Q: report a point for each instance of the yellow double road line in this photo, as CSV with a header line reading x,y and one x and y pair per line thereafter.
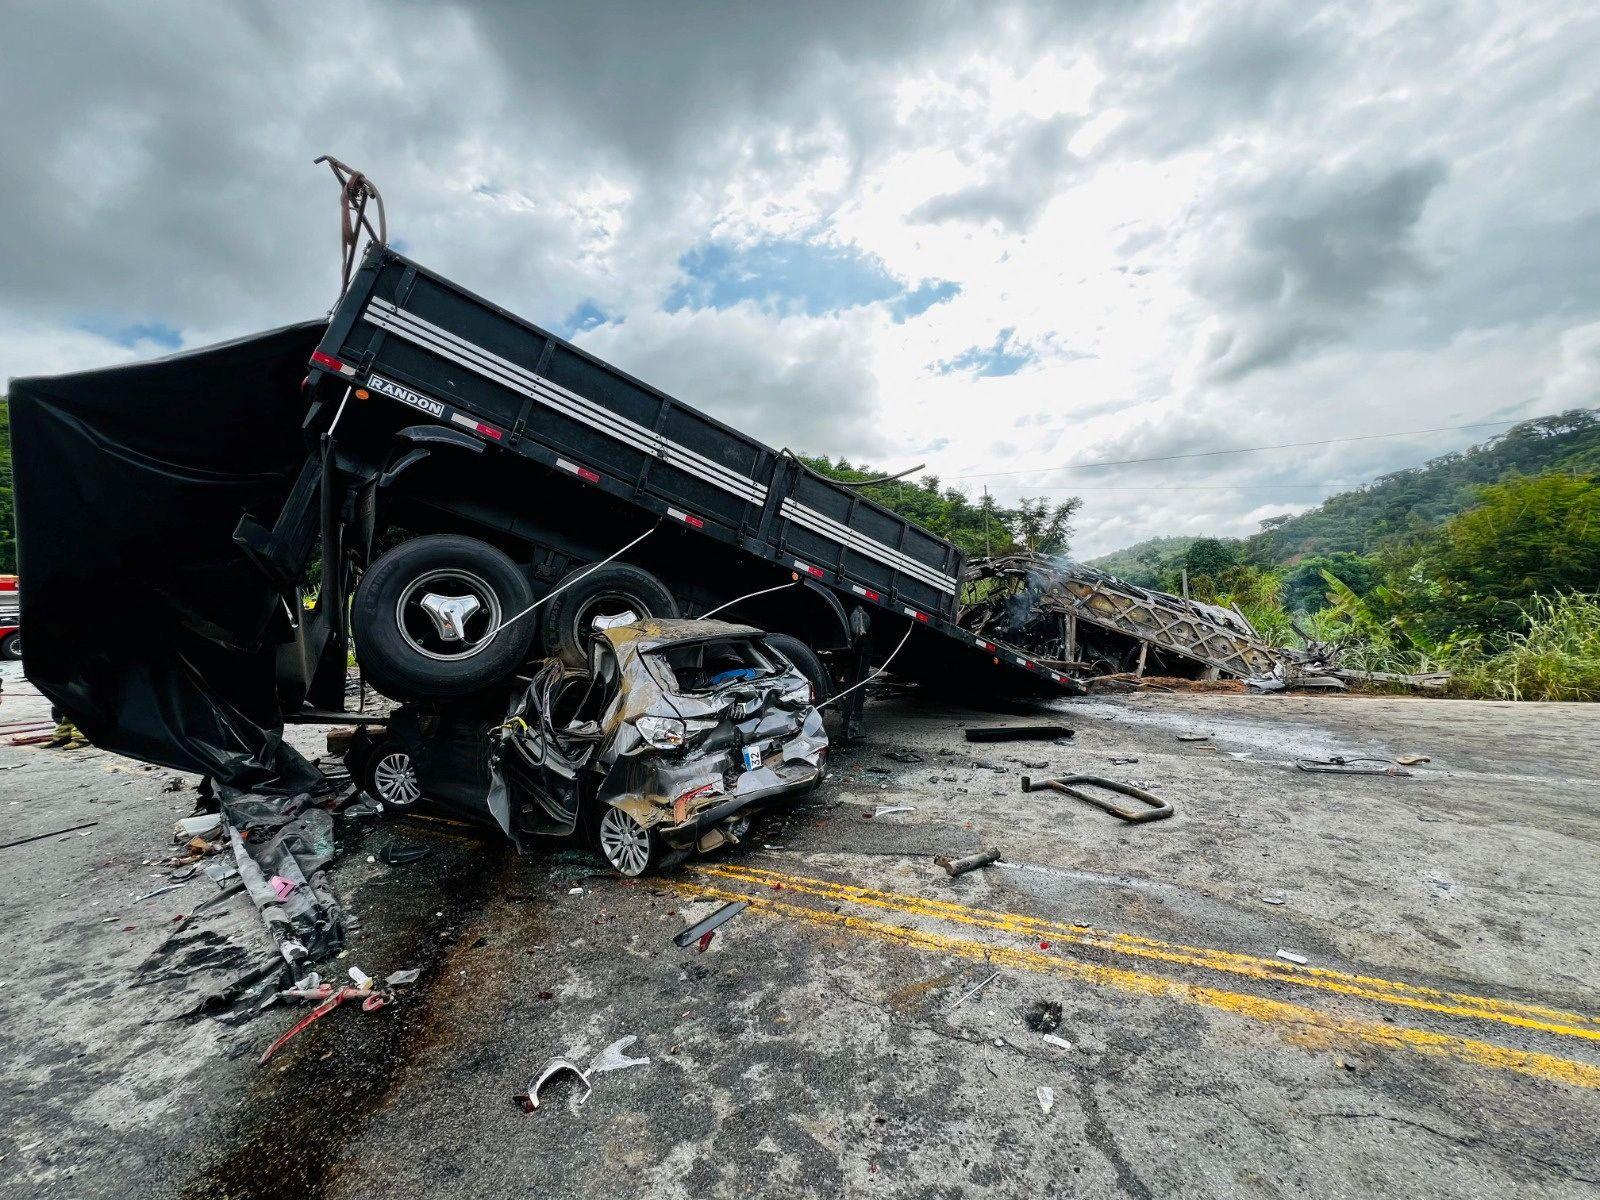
x,y
1365,987
1307,1022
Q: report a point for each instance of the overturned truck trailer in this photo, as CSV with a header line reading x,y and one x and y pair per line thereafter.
x,y
452,491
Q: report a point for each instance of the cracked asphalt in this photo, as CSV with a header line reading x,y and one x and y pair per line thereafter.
x,y
863,1026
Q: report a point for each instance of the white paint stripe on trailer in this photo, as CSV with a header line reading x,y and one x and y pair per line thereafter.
x,y
868,546
553,396
872,549
499,370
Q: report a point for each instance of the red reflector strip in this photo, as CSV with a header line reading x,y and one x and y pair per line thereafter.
x,y
466,422
911,612
983,644
687,518
809,569
1022,662
867,592
331,363
580,472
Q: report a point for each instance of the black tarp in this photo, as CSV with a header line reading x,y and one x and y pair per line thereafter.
x,y
144,622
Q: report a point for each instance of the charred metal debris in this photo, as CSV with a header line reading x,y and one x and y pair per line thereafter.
x,y
1105,631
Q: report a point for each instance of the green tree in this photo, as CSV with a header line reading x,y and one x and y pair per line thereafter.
x,y
1526,537
1305,591
1043,527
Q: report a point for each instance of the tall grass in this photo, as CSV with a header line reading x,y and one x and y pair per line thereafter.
x,y
1556,656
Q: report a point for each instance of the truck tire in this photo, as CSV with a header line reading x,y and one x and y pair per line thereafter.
x,y
412,649
11,647
806,662
614,588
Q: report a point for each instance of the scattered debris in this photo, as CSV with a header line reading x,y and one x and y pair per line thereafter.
x,y
399,856
1060,1043
1123,762
974,990
702,929
1047,1098
1194,737
1291,956
401,978
329,999
891,808
1340,765
1159,809
615,1058
171,887
39,837
903,756
1273,898
1018,733
1044,1016
1413,760
206,825
960,866
554,1067
219,871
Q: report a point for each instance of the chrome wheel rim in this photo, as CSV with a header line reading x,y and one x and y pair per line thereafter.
x,y
625,842
395,780
420,630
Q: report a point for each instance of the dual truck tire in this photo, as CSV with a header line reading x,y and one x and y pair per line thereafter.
x,y
442,616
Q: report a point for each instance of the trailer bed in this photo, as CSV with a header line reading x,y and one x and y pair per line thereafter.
x,y
404,335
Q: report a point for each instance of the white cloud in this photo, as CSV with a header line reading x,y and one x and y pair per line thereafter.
x,y
1207,224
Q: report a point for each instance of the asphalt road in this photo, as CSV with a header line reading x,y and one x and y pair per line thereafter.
x,y
868,1026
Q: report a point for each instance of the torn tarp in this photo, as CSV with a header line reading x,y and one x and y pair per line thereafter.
x,y
283,845
146,624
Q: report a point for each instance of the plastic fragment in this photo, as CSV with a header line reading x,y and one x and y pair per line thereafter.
x,y
1060,1043
401,978
1047,1098
555,1067
615,1058
1291,956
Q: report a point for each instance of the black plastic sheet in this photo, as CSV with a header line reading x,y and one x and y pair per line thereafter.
x,y
146,625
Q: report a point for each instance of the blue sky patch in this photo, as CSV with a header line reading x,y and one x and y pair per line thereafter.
x,y
130,335
923,297
585,317
797,277
1005,357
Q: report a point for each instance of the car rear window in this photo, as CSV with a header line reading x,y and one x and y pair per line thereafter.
x,y
708,666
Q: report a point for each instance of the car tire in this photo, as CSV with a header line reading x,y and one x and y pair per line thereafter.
x,y
630,848
407,653
805,661
11,646
389,775
606,591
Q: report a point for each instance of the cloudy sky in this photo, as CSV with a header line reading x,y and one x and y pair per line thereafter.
x,y
995,238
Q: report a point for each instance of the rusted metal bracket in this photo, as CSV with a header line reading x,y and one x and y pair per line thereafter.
x,y
1159,809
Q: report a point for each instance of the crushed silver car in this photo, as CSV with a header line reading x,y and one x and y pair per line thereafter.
x,y
662,746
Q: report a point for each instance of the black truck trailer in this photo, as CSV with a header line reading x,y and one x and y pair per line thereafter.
x,y
423,432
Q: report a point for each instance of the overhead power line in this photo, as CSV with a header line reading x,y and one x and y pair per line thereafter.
x,y
1124,462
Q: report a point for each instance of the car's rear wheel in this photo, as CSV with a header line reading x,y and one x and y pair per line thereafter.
x,y
430,616
628,846
608,591
806,662
390,775
11,646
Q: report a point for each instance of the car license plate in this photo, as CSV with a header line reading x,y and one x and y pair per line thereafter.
x,y
752,757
